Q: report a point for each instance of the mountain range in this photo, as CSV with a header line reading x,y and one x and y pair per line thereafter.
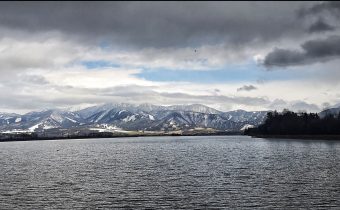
x,y
130,117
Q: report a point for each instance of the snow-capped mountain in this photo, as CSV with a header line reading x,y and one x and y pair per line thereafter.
x,y
33,121
173,120
241,116
146,117
9,118
194,108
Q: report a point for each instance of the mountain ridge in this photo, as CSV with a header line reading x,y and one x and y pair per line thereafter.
x,y
330,111
124,116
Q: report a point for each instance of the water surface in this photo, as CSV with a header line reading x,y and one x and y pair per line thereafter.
x,y
170,172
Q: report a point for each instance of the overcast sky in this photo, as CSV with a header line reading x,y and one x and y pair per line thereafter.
x,y
227,55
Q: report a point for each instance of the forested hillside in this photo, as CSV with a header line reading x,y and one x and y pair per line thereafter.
x,y
291,123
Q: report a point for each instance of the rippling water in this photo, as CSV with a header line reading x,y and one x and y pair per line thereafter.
x,y
170,172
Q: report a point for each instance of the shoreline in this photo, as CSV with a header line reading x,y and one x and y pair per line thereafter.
x,y
118,136
300,137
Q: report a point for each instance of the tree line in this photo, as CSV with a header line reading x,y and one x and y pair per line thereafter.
x,y
302,123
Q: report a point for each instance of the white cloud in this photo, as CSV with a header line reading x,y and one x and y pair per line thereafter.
x,y
81,77
47,73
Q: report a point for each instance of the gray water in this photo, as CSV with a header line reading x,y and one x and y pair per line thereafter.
x,y
235,172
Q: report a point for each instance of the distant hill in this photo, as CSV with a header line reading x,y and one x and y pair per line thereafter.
x,y
123,116
291,123
331,111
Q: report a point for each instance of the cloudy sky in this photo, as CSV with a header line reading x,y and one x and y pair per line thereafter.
x,y
227,55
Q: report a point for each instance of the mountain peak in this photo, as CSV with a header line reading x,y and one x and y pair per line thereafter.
x,y
133,117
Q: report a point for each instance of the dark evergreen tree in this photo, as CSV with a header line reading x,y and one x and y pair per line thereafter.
x,y
291,123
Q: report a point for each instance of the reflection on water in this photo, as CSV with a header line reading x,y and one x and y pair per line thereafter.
x,y
170,172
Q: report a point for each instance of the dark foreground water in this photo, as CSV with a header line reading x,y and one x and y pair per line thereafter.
x,y
170,172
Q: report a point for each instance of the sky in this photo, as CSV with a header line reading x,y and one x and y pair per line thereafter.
x,y
226,55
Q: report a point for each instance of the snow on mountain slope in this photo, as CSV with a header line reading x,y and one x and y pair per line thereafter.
x,y
253,118
134,117
195,108
8,118
44,120
246,126
174,120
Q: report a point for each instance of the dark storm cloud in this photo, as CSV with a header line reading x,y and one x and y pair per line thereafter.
x,y
319,50
283,57
331,7
246,88
320,26
155,24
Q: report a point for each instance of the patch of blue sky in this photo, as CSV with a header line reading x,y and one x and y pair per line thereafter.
x,y
240,73
104,45
98,64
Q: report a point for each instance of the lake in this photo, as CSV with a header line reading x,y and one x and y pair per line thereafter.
x,y
236,172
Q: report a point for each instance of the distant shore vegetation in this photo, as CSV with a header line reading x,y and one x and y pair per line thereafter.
x,y
301,123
